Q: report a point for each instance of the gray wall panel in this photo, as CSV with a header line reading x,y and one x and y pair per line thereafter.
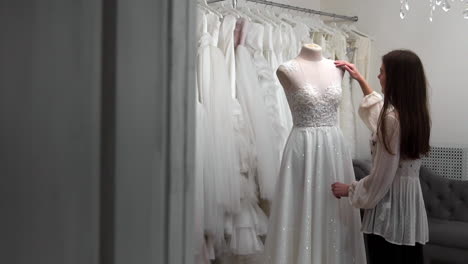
x,y
49,136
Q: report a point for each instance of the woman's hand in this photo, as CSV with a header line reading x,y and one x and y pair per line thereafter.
x,y
351,68
340,189
354,73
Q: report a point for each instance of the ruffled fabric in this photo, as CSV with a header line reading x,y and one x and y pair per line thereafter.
x,y
249,224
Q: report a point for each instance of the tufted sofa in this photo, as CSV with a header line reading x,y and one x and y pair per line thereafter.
x,y
447,210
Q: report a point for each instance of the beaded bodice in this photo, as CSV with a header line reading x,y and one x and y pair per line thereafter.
x,y
312,106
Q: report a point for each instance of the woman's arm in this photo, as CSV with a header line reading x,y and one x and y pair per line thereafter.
x,y
367,192
354,73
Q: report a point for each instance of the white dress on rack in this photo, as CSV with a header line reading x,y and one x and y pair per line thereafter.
x,y
292,48
251,96
198,229
278,44
337,44
268,48
226,44
250,222
243,132
302,32
240,225
278,41
361,59
202,251
268,94
307,223
221,181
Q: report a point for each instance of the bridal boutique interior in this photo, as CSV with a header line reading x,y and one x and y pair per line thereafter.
x,y
153,131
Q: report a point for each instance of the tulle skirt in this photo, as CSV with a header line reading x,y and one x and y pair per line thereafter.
x,y
307,223
217,165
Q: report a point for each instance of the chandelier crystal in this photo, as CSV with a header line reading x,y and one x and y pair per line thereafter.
x,y
443,4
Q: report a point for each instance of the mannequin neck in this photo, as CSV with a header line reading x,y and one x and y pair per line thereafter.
x,y
311,52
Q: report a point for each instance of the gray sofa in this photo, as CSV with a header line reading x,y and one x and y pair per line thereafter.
x,y
447,210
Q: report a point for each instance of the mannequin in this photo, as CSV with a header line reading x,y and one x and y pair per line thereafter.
x,y
313,69
307,224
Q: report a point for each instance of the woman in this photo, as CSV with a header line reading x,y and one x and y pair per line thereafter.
x,y
395,219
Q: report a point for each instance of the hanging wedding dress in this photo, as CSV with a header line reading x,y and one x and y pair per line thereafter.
x,y
202,252
243,132
361,59
221,182
268,51
302,32
307,223
251,98
279,40
244,226
222,125
250,222
337,44
268,95
226,44
292,49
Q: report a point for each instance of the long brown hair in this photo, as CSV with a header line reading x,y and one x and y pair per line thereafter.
x,y
406,91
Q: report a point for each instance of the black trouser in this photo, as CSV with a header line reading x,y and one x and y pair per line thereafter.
x,y
383,252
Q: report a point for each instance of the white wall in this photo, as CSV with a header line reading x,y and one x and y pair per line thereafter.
x,y
442,46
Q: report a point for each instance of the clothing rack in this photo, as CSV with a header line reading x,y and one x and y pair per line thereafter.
x,y
300,9
234,2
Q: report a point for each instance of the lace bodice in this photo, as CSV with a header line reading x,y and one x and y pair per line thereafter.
x,y
312,106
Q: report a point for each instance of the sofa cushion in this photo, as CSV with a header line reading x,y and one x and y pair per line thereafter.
x,y
448,233
444,198
361,168
435,254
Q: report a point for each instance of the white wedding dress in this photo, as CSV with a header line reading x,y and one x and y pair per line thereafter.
x,y
268,94
307,223
217,165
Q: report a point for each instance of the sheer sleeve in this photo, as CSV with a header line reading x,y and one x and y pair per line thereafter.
x,y
367,192
369,110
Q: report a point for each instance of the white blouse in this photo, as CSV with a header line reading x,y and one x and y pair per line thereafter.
x,y
391,194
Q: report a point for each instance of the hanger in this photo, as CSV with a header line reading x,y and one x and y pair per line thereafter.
x,y
311,22
255,10
230,11
255,17
286,17
204,5
329,30
260,15
272,15
354,29
346,29
342,32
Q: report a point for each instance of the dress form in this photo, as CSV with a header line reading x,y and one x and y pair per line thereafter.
x,y
307,224
309,67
